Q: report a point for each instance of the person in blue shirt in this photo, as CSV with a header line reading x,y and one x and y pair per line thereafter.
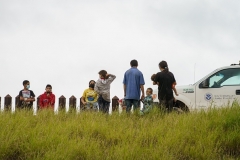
x,y
133,84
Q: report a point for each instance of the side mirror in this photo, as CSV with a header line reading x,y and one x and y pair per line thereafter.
x,y
205,83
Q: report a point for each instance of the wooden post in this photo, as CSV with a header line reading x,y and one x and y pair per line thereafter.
x,y
115,103
62,102
0,103
17,101
7,102
72,102
38,99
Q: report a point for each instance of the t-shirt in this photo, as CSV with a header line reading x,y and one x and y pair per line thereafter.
x,y
26,94
148,101
102,87
165,80
133,78
90,95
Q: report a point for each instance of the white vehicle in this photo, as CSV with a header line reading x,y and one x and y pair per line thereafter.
x,y
218,89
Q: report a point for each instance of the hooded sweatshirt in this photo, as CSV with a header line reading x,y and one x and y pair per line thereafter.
x,y
102,87
47,101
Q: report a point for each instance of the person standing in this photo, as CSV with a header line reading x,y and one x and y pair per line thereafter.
x,y
27,97
47,99
102,87
165,81
133,83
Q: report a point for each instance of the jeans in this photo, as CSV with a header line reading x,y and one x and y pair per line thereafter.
x,y
103,105
130,102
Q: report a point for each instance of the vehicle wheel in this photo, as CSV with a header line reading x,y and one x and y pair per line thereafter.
x,y
181,107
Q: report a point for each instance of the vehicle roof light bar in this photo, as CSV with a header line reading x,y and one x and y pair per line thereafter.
x,y
235,64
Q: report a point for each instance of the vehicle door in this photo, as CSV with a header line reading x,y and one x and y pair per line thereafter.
x,y
220,89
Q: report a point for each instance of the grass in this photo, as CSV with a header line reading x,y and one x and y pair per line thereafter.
x,y
201,135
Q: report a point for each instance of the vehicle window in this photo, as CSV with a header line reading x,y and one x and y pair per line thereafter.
x,y
232,81
214,79
225,77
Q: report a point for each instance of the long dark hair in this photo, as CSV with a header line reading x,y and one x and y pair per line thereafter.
x,y
164,65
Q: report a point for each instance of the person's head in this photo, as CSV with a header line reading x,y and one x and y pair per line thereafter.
x,y
48,88
26,84
103,74
149,91
91,84
134,63
163,66
153,77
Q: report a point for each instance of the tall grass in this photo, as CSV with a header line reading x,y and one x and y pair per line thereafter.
x,y
201,135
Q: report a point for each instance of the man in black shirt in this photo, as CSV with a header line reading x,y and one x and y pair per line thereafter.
x,y
27,97
165,81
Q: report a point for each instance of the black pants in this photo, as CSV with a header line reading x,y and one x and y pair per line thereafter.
x,y
103,105
166,104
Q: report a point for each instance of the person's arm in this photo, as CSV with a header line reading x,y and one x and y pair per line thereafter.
x,y
151,99
124,85
40,103
142,82
53,100
83,98
20,96
111,77
174,89
27,99
124,90
142,89
32,98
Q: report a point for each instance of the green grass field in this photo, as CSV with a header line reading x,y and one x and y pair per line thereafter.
x,y
202,135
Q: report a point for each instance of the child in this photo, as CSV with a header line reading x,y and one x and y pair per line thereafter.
x,y
47,99
89,97
27,97
102,87
173,85
147,102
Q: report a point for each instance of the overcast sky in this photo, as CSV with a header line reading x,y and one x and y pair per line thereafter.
x,y
66,43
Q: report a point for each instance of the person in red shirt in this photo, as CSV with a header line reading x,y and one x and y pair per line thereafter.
x,y
47,99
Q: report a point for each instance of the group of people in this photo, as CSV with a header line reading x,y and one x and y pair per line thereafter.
x,y
97,96
27,97
133,84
